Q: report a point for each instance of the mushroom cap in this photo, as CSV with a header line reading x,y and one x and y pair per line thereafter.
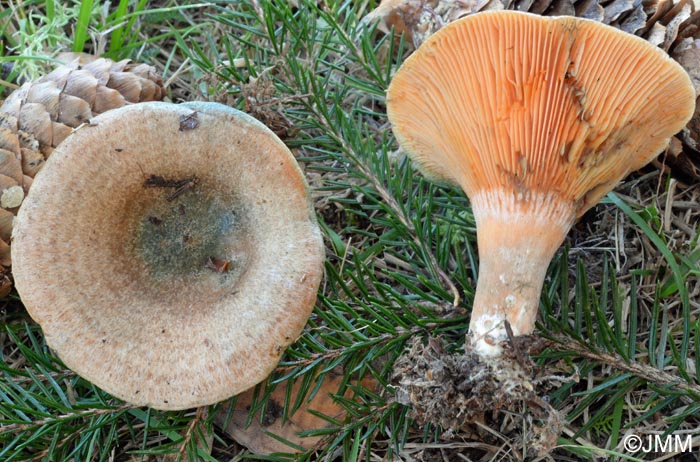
x,y
533,105
170,253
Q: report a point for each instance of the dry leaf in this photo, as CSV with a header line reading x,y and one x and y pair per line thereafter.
x,y
257,437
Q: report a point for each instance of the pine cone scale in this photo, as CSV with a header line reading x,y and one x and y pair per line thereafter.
x,y
635,21
8,139
129,88
614,10
107,98
45,94
81,85
590,9
35,120
32,161
6,219
563,8
10,163
73,112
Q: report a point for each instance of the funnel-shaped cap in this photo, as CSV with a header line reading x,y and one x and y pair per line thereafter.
x,y
169,252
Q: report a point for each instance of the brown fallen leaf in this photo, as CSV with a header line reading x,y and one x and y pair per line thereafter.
x,y
257,437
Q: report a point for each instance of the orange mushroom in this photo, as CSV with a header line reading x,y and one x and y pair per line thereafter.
x,y
536,119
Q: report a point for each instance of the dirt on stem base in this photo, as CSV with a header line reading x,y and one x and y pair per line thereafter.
x,y
463,391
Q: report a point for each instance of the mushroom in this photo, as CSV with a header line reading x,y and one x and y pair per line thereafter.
x,y
536,119
169,252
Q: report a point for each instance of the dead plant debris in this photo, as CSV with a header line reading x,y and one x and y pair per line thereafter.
x,y
189,122
460,390
179,186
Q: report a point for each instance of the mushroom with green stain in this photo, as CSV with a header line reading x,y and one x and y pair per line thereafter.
x,y
169,252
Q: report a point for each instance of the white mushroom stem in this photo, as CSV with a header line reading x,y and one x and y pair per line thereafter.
x,y
517,235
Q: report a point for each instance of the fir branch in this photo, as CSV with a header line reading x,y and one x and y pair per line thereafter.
x,y
83,413
391,201
201,415
64,374
649,373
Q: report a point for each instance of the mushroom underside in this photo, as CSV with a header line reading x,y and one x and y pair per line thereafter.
x,y
536,119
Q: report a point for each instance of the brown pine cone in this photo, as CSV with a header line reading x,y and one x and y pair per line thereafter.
x,y
659,21
35,118
687,52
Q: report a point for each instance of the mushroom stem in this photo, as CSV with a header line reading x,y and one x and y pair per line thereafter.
x,y
517,235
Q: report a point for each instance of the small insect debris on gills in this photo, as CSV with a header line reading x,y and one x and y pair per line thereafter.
x,y
180,186
189,122
217,264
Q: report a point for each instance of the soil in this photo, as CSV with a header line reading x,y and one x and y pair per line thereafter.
x,y
464,392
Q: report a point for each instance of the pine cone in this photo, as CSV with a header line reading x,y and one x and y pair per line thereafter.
x,y
659,21
673,25
39,115
687,52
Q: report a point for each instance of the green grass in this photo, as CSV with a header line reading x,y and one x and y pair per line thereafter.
x,y
626,343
